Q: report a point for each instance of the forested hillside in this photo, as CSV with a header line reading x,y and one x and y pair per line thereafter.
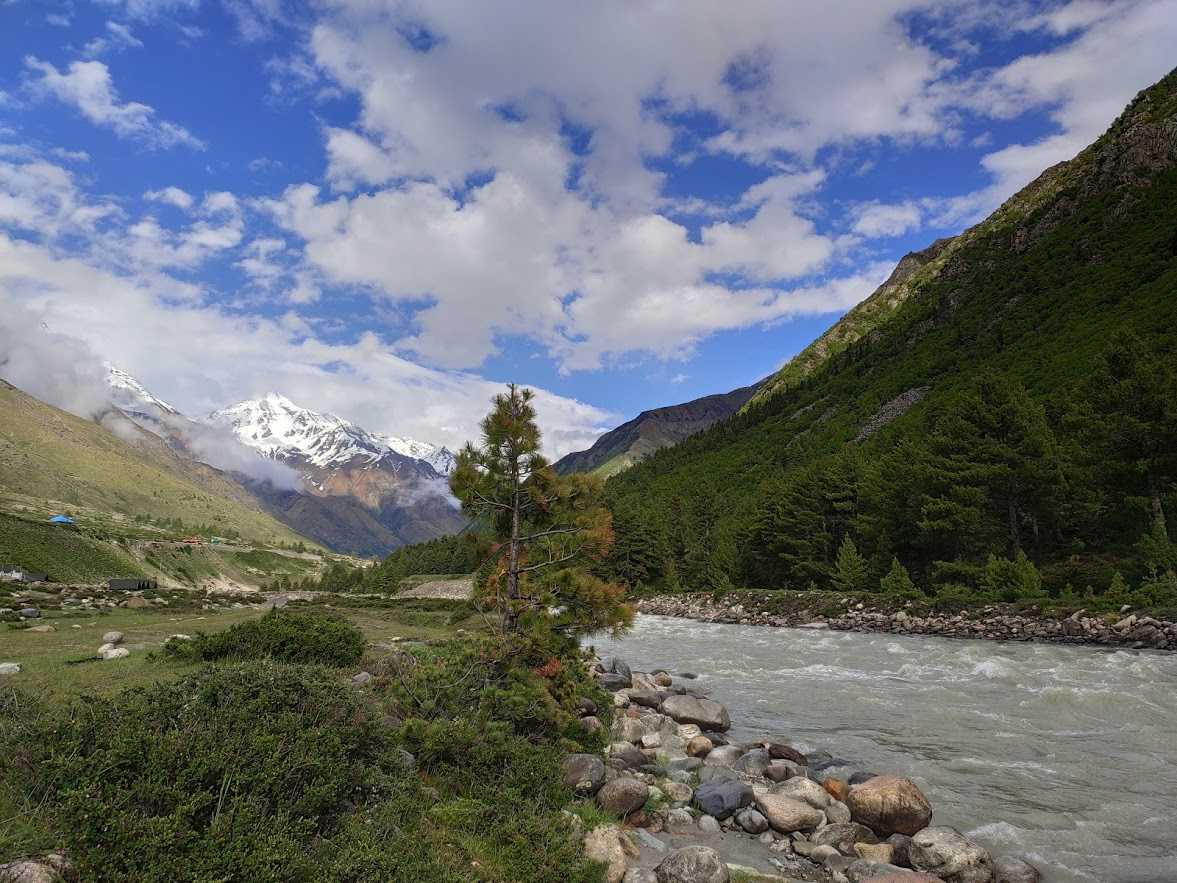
x,y
1021,400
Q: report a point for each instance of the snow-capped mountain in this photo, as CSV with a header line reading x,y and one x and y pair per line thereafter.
x,y
129,395
283,430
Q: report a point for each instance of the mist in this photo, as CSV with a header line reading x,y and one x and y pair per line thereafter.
x,y
65,372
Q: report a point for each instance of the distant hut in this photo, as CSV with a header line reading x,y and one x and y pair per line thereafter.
x,y
61,519
130,584
34,576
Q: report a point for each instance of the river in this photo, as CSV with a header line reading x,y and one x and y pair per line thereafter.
x,y
1066,755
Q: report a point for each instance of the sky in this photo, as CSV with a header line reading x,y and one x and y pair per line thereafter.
x,y
387,210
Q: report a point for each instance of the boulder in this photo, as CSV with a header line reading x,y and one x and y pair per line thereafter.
x,y
880,853
1009,869
787,815
695,710
753,763
722,798
613,682
713,773
362,678
645,698
115,653
584,773
780,770
9,668
724,755
617,666
591,724
805,790
684,764
752,821
835,787
889,805
901,844
661,678
42,629
603,845
112,638
709,825
652,740
699,746
586,706
678,792
623,796
780,751
843,835
679,821
626,756
838,812
639,875
136,603
627,729
29,612
948,854
28,872
692,864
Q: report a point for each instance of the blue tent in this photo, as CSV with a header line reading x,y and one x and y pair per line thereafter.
x,y
61,519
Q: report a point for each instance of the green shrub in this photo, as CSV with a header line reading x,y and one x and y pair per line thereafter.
x,y
284,636
898,582
1007,580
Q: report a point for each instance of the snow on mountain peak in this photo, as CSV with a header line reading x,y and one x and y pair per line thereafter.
x,y
129,394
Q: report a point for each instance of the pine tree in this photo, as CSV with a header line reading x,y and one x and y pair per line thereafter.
x,y
849,568
897,581
548,529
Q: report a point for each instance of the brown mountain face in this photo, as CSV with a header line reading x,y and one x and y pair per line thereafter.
x,y
651,430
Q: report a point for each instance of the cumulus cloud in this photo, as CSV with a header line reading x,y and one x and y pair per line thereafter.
x,y
877,220
87,86
116,38
173,196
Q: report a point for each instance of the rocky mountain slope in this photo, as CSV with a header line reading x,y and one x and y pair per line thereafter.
x,y
652,430
1041,291
119,468
360,493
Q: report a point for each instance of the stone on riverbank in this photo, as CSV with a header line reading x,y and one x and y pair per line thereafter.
x,y
948,854
787,815
584,773
752,821
843,835
623,796
1009,869
706,713
699,746
603,845
804,790
753,763
889,805
692,864
723,798
779,751
626,756
10,668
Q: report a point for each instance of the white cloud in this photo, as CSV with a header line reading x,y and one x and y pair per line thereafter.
x,y
877,220
87,86
174,196
200,358
117,38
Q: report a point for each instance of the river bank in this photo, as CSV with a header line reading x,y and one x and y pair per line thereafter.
x,y
702,806
875,613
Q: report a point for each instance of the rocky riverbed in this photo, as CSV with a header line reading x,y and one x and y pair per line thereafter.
x,y
993,622
698,807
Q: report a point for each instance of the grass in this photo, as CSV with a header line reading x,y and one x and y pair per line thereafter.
x,y
263,770
65,553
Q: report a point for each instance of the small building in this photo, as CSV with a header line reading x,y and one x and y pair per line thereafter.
x,y
61,519
34,576
130,584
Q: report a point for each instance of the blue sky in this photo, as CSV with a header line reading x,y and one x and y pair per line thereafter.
x,y
386,209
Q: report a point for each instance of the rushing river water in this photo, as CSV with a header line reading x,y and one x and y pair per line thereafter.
x,y
1066,755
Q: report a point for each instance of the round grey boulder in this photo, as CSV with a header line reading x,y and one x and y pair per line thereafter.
x,y
709,824
754,762
723,798
692,864
751,821
112,638
724,755
626,756
949,855
1010,869
30,612
584,773
623,796
843,835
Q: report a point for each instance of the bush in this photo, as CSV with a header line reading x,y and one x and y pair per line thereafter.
x,y
1007,580
898,582
283,636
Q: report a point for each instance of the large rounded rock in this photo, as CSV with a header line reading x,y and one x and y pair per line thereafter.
x,y
805,790
695,710
645,698
9,668
752,821
949,855
28,872
843,835
603,845
1009,869
787,815
753,763
112,638
779,770
613,682
627,729
584,773
699,746
692,864
889,805
723,798
724,755
617,666
623,796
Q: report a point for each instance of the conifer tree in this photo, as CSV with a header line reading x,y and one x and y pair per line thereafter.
x,y
548,528
849,568
897,581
